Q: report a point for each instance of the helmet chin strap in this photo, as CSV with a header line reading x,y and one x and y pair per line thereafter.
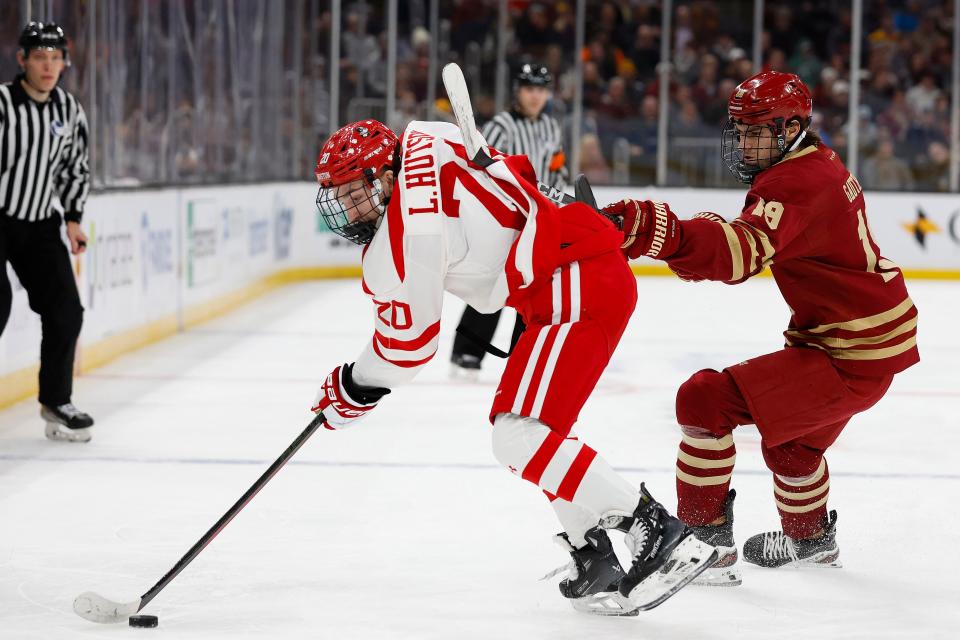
x,y
797,141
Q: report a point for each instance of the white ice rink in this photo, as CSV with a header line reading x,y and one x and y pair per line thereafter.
x,y
405,527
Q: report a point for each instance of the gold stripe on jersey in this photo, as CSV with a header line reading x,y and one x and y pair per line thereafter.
x,y
862,354
765,244
754,254
704,463
876,354
860,324
844,343
736,252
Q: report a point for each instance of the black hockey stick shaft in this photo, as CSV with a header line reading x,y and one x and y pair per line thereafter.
x,y
231,513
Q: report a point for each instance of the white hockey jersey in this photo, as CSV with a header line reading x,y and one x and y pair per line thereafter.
x,y
450,226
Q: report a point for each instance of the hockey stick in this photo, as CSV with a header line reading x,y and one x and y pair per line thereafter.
x,y
479,153
96,608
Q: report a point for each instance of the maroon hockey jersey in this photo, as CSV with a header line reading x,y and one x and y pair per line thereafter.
x,y
806,219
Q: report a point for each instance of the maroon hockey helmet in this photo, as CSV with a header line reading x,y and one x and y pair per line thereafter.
x,y
770,99
348,167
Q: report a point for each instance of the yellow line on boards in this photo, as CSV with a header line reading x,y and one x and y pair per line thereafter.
x,y
909,274
21,384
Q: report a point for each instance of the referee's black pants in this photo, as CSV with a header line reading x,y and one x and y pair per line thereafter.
x,y
480,328
42,264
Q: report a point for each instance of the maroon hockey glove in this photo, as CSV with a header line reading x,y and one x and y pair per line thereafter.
x,y
342,401
689,276
649,228
686,276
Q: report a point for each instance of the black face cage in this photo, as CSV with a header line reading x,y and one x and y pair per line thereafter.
x,y
337,212
731,149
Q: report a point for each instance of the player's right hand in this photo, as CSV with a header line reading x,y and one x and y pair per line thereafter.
x,y
649,228
342,401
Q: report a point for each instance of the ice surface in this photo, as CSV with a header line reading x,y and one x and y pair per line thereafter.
x,y
404,526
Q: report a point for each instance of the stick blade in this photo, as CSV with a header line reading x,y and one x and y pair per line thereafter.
x,y
584,193
459,96
95,608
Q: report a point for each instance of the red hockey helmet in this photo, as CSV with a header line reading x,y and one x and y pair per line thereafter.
x,y
355,153
770,99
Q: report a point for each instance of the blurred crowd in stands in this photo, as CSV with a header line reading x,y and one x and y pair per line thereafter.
x,y
904,106
242,106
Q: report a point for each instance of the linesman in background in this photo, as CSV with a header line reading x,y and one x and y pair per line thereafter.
x,y
43,153
522,130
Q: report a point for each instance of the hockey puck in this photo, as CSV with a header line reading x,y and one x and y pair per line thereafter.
x,y
144,622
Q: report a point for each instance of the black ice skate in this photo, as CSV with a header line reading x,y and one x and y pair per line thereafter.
x,y
776,549
67,423
666,554
724,572
593,576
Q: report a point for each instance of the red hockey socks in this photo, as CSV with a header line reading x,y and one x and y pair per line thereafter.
x,y
802,502
704,468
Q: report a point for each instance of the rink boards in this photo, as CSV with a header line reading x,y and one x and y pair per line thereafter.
x,y
162,260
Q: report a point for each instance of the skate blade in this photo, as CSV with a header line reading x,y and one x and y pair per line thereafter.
x,y
605,604
719,577
724,573
57,432
826,560
689,559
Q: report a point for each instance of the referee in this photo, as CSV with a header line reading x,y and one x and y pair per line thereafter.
x,y
523,130
43,152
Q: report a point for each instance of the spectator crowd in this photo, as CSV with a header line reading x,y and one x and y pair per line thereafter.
x,y
234,102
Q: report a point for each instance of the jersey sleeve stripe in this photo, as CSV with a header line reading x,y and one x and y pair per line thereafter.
x,y
736,253
419,342
406,364
766,251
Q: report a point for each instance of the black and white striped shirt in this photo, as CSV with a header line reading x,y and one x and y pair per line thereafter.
x,y
540,139
43,150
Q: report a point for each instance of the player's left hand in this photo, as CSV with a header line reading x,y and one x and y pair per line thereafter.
x,y
649,228
77,238
342,401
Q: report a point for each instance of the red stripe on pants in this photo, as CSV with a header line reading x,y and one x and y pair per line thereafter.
x,y
537,379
